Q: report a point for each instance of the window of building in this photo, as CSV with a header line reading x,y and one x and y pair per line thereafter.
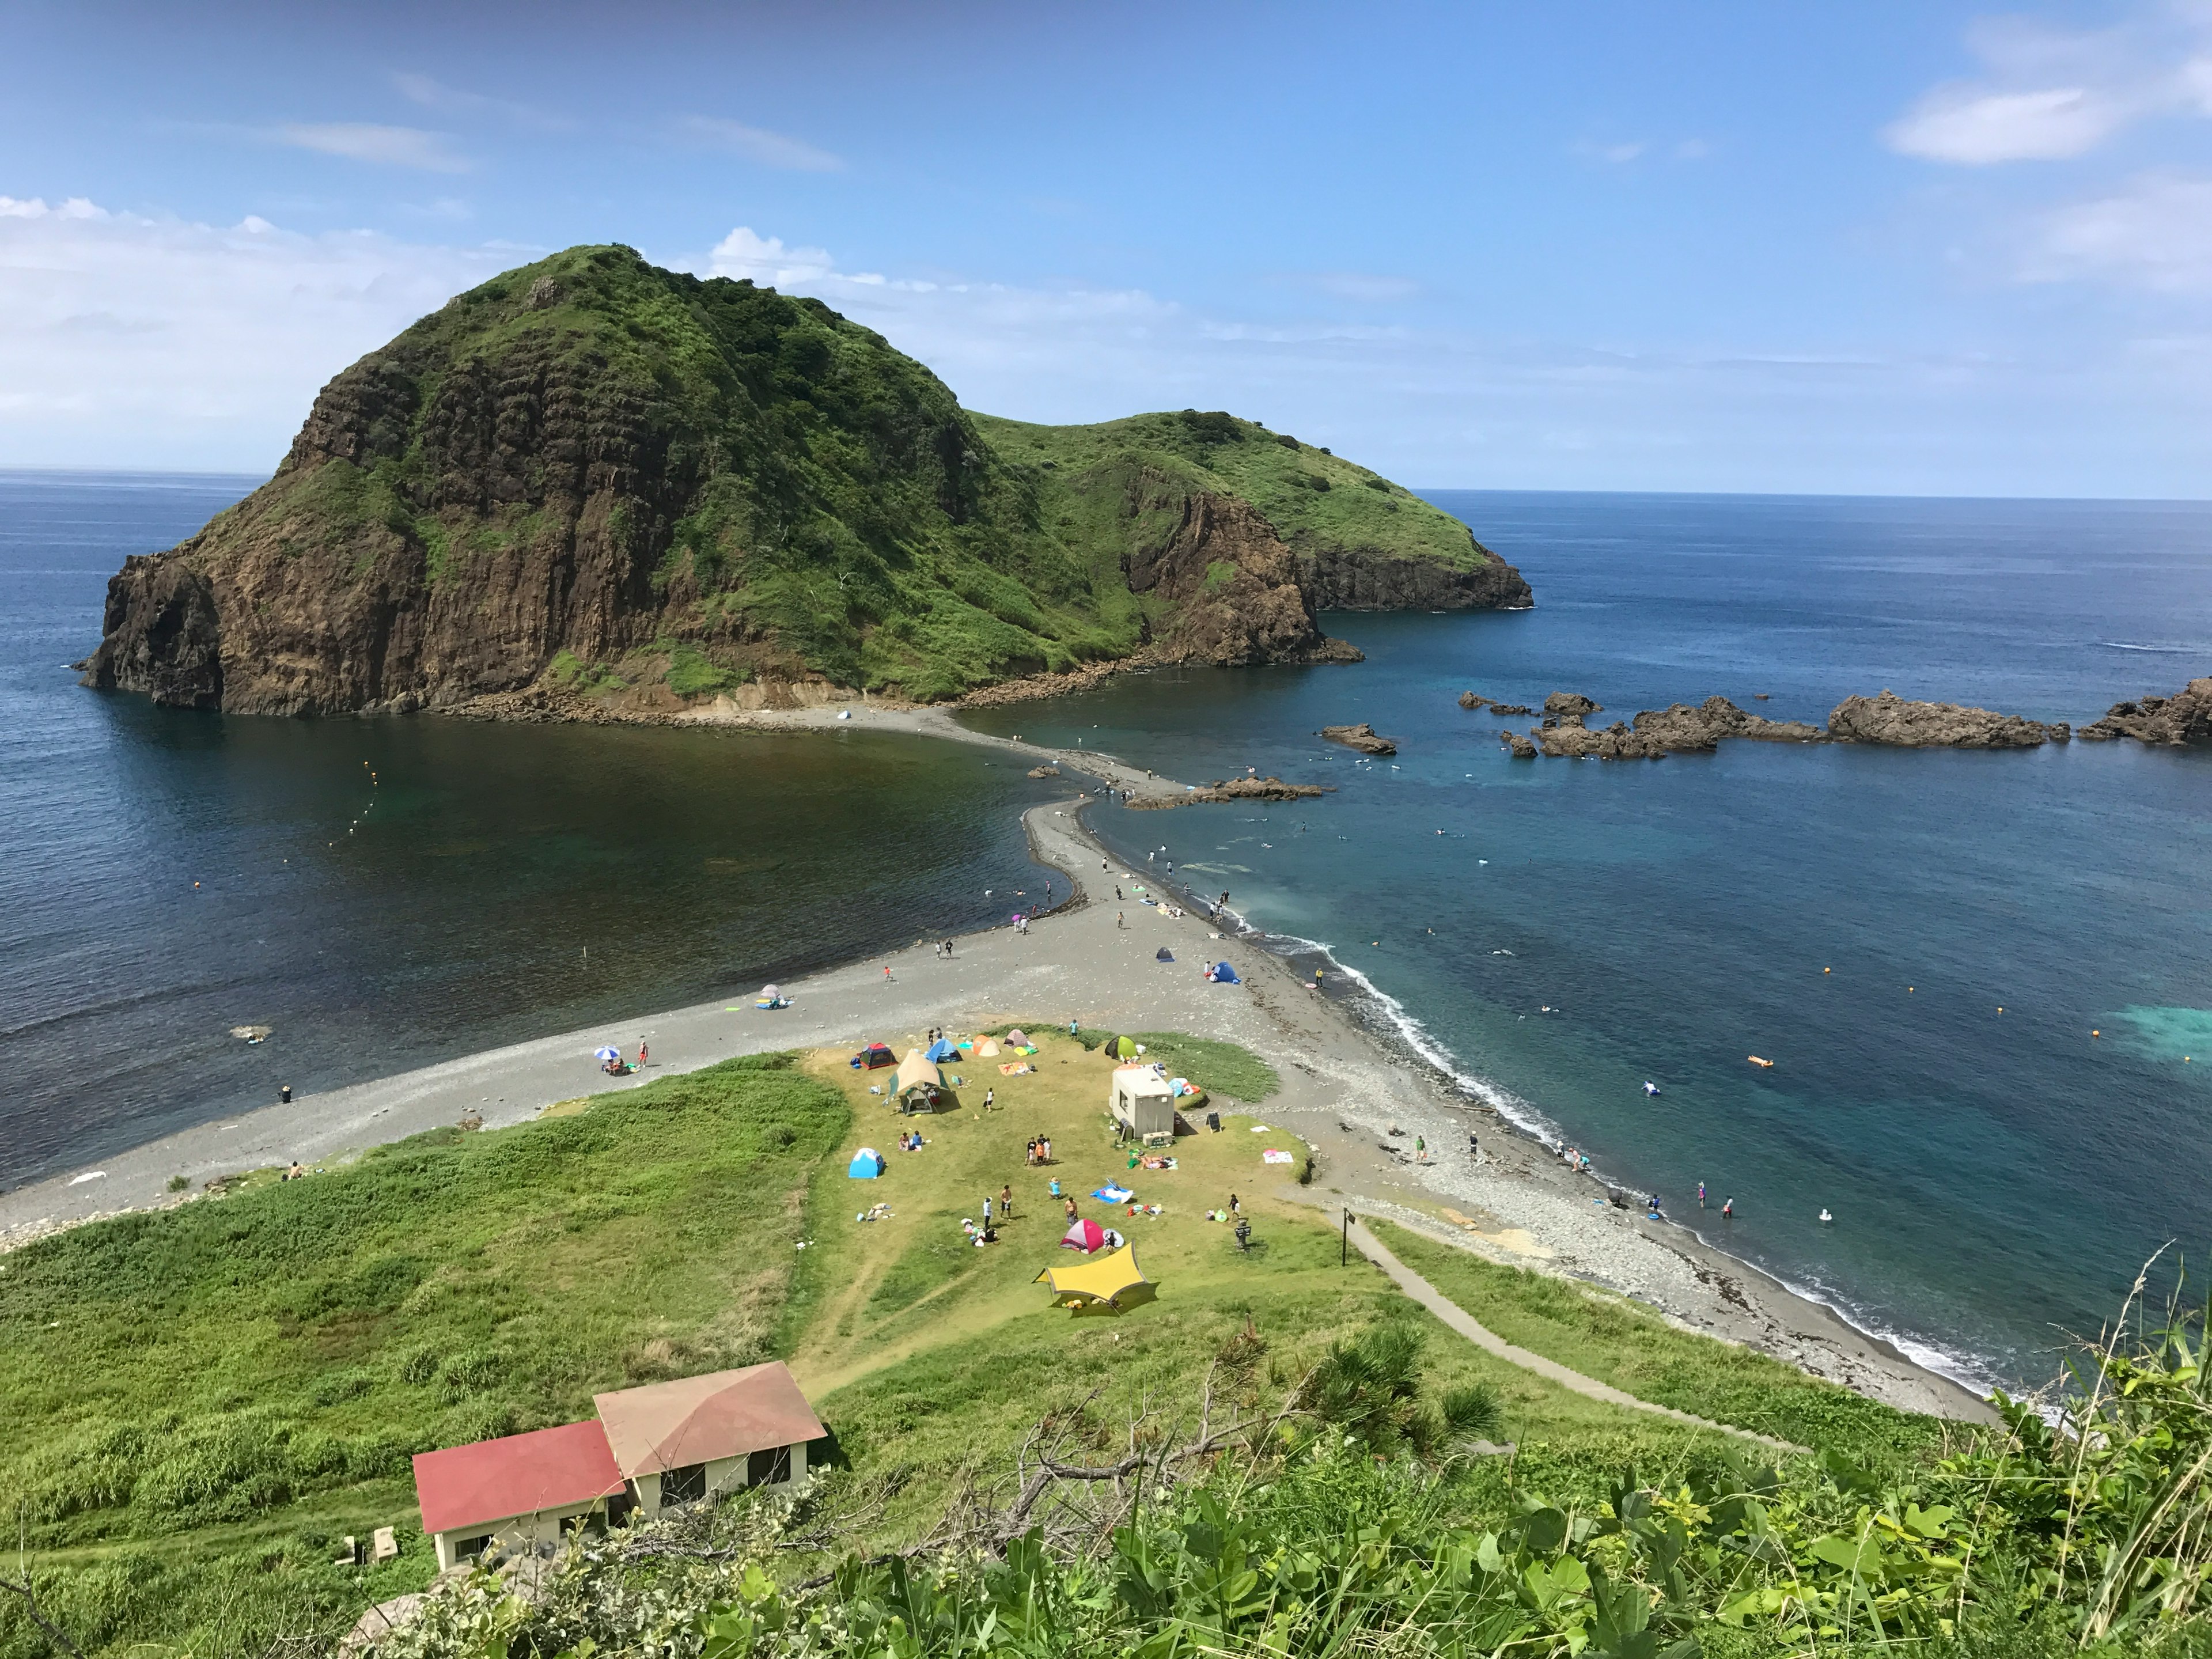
x,y
468,1549
770,1467
685,1485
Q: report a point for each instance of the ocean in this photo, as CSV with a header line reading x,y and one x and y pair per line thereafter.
x,y
385,894
1924,942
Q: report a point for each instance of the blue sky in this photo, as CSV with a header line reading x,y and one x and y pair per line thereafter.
x,y
1888,247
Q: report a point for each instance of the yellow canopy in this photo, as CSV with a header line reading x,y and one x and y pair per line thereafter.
x,y
1103,1279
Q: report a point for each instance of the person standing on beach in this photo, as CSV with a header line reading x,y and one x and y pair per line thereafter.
x,y
1119,921
887,973
1728,1210
640,1054
990,1098
1420,1149
1006,1202
1068,1203
1701,1194
1472,1150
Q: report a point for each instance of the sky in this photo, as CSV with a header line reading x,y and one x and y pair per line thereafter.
x,y
1900,246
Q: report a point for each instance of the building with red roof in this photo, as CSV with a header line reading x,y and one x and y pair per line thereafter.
x,y
677,1442
523,1489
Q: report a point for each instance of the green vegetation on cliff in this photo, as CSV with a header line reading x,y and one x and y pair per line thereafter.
x,y
691,485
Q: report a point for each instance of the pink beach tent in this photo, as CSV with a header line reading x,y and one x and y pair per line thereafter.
x,y
1083,1233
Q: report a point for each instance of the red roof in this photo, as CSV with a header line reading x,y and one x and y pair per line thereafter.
x,y
521,1474
700,1419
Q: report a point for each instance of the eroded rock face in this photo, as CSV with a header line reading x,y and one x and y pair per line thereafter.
x,y
167,637
1571,740
1682,729
1472,700
1568,708
2183,718
1363,578
1521,748
1231,581
1891,720
1361,736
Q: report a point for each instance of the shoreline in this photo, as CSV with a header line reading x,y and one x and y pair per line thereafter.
x,y
1355,1095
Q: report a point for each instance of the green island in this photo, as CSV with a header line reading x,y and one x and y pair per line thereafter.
x,y
595,489
1275,1452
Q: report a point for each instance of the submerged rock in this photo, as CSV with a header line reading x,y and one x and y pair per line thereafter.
x,y
1361,736
1890,720
2183,718
1511,709
1232,789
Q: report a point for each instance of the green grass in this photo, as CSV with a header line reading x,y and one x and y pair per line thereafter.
x,y
1612,1338
253,1372
1217,1067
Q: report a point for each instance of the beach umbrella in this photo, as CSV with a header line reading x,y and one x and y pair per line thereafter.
x,y
606,1054
770,991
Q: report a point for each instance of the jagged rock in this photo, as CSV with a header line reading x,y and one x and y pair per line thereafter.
x,y
1682,729
1573,740
1511,709
1045,771
1472,700
1232,789
1361,736
1361,578
1521,747
1568,709
2183,718
1890,720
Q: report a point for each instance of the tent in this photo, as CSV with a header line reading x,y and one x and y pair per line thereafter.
x,y
1107,1280
1083,1233
867,1163
942,1049
918,1084
1222,973
1014,1039
1120,1048
1163,955
987,1048
875,1054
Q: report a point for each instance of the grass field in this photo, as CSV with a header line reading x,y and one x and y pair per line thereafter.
x,y
208,1396
203,1398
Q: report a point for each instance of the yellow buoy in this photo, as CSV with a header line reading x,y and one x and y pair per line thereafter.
x,y
2096,1034
1827,970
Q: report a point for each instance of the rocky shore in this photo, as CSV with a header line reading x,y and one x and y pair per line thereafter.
x,y
1232,789
2182,719
1888,719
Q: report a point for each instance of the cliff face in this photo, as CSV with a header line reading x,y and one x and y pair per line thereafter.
x,y
599,479
2183,719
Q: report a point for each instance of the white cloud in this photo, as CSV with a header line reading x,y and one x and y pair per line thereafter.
x,y
771,150
765,259
2155,233
131,341
362,141
1974,127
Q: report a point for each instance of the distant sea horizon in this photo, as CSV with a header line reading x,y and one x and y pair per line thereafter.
x,y
1997,1179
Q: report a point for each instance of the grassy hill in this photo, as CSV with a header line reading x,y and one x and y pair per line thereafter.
x,y
607,485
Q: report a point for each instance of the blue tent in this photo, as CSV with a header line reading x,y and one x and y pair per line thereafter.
x,y
1163,955
867,1163
1222,973
941,1049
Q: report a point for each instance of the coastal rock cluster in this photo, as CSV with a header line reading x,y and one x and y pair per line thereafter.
x,y
627,492
1891,720
1231,789
1681,728
2183,718
1361,736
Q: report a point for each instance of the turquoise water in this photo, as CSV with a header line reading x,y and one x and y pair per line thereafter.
x,y
1859,916
171,875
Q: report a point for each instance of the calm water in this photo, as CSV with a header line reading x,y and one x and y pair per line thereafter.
x,y
389,893
1859,916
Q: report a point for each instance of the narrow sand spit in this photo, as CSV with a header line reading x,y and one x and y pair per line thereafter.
x,y
1093,959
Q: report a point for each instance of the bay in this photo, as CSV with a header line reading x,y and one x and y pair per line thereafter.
x,y
1923,942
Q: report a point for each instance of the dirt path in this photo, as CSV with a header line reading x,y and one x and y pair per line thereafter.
x,y
1551,1371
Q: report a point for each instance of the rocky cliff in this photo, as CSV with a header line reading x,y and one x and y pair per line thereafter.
x,y
591,483
2183,718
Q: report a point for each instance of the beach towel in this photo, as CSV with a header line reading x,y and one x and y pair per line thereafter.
x,y
1273,1156
1113,1192
1015,1069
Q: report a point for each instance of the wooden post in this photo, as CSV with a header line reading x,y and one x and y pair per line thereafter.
x,y
1344,1244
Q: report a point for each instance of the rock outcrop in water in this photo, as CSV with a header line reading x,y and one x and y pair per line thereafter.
x,y
1682,729
2184,717
596,489
1891,720
1361,736
1232,789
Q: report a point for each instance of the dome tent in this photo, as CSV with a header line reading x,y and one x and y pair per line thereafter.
x,y
1083,1233
867,1163
1121,1047
941,1049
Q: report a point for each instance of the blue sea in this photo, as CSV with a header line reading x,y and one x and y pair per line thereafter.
x,y
1924,942
386,893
